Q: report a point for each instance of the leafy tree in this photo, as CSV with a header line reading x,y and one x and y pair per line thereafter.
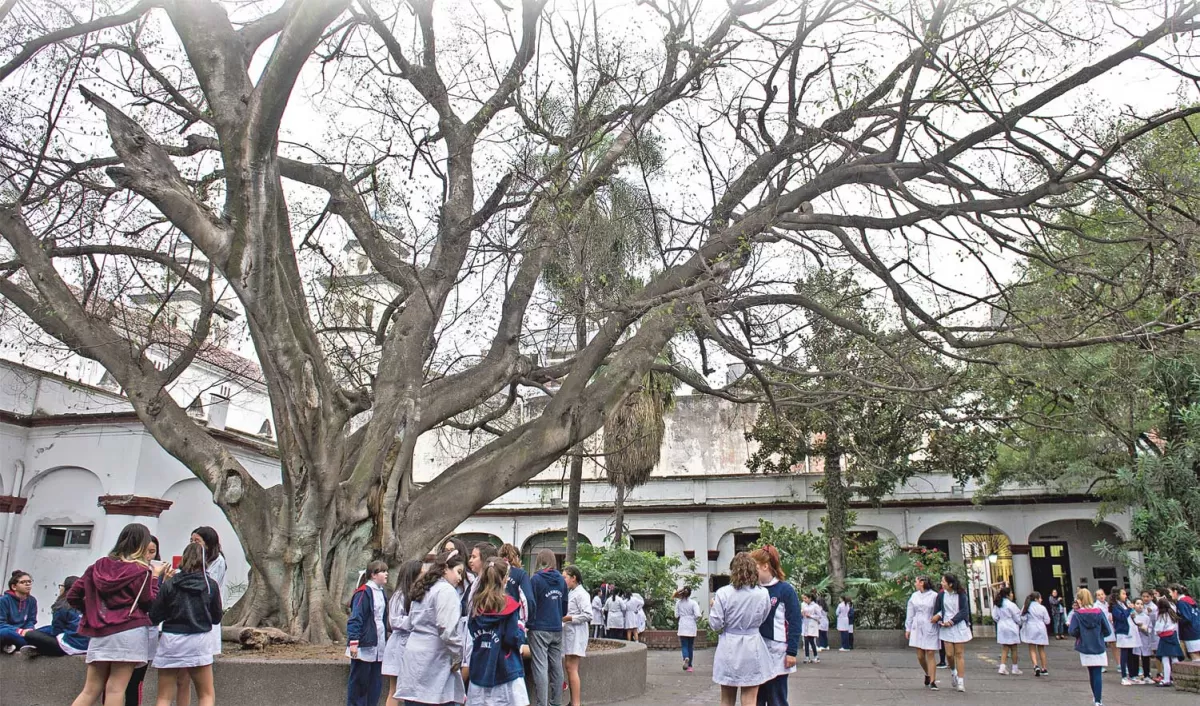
x,y
656,578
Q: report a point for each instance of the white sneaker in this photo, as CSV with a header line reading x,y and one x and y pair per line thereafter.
x,y
953,680
843,649
1126,682
1003,669
1016,671
9,649
816,660
962,685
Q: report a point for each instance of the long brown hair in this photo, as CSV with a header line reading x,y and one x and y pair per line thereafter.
x,y
511,554
490,596
132,544
769,556
441,563
742,571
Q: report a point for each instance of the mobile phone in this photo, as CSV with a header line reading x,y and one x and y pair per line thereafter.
x,y
175,561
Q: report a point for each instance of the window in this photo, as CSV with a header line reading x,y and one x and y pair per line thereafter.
x,y
743,540
653,543
66,536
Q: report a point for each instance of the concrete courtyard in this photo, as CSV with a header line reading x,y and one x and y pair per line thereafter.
x,y
886,676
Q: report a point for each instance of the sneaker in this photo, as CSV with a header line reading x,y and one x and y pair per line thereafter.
x,y
962,686
1164,684
816,660
1127,682
9,649
843,649
926,680
808,660
1016,672
954,680
933,686
28,651
942,666
690,669
1003,669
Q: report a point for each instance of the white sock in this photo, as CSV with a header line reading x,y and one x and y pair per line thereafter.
x,y
1166,663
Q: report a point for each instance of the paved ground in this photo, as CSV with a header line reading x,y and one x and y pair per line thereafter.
x,y
888,676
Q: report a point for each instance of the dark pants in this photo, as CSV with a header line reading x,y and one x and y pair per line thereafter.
x,y
688,646
1128,663
823,639
366,681
847,639
1146,667
9,636
942,655
774,692
810,642
46,644
1097,679
616,633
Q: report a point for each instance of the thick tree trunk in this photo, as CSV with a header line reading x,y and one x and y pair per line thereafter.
x,y
837,503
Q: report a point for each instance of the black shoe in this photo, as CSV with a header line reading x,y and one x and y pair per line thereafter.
x,y
933,686
926,680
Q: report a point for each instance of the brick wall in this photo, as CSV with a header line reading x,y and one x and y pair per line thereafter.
x,y
668,640
1186,676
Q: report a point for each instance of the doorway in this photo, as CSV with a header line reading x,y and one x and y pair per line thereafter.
x,y
1050,563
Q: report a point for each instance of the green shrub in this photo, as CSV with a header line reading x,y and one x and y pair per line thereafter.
x,y
656,578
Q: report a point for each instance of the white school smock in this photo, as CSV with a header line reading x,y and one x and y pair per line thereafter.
x,y
1143,627
401,626
1008,623
1033,625
597,611
434,645
216,571
1129,640
375,652
824,623
634,617
1112,634
843,618
958,632
688,611
922,634
811,625
742,657
616,613
575,633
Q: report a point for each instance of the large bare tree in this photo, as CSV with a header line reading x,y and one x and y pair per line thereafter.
x,y
887,138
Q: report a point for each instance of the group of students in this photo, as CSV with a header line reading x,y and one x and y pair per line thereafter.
x,y
128,610
618,613
1158,625
468,626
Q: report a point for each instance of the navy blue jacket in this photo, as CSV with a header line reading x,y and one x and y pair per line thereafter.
x,y
518,583
1189,619
964,608
549,601
1120,618
1089,628
360,628
782,594
17,613
66,623
496,640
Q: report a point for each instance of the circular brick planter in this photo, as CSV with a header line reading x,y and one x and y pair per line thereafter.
x,y
607,675
668,640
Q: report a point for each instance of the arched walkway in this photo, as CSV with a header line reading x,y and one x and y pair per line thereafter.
x,y
984,552
1062,555
555,541
473,538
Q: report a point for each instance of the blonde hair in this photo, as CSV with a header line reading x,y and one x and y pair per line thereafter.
x,y
742,571
490,596
1084,597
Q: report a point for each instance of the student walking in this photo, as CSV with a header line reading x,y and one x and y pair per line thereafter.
x,y
429,671
575,629
1089,627
951,613
742,660
187,606
1169,650
18,612
687,611
401,626
366,636
1007,617
921,631
497,635
1034,621
782,628
545,629
845,623
114,595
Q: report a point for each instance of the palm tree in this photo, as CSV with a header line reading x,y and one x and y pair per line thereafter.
x,y
633,436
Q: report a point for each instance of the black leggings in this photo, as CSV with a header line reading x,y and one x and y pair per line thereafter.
x,y
810,642
46,644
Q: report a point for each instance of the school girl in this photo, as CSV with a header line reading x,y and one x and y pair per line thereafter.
x,y
823,626
62,638
115,594
1007,616
18,612
398,622
1034,622
921,631
809,630
950,614
1127,639
1169,650
1058,614
187,606
742,660
497,635
614,608
1089,627
687,612
429,672
1189,620
634,617
1101,601
1143,628
519,586
366,636
575,629
845,623
133,691
782,628
215,569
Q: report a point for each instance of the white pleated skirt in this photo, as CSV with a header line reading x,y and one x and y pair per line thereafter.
x,y
177,651
133,645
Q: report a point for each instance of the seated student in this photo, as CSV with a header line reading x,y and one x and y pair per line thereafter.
x,y
62,638
18,612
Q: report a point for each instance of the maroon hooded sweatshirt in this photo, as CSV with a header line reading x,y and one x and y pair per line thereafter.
x,y
106,594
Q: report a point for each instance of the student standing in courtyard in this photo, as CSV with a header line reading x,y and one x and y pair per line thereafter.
x,y
1143,628
545,629
1127,639
1089,627
115,594
430,669
366,636
398,621
575,629
951,612
1100,600
187,607
782,627
921,631
598,626
823,626
18,612
687,611
1169,650
845,623
1034,621
1189,620
614,608
1058,614
1007,617
742,660
497,636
